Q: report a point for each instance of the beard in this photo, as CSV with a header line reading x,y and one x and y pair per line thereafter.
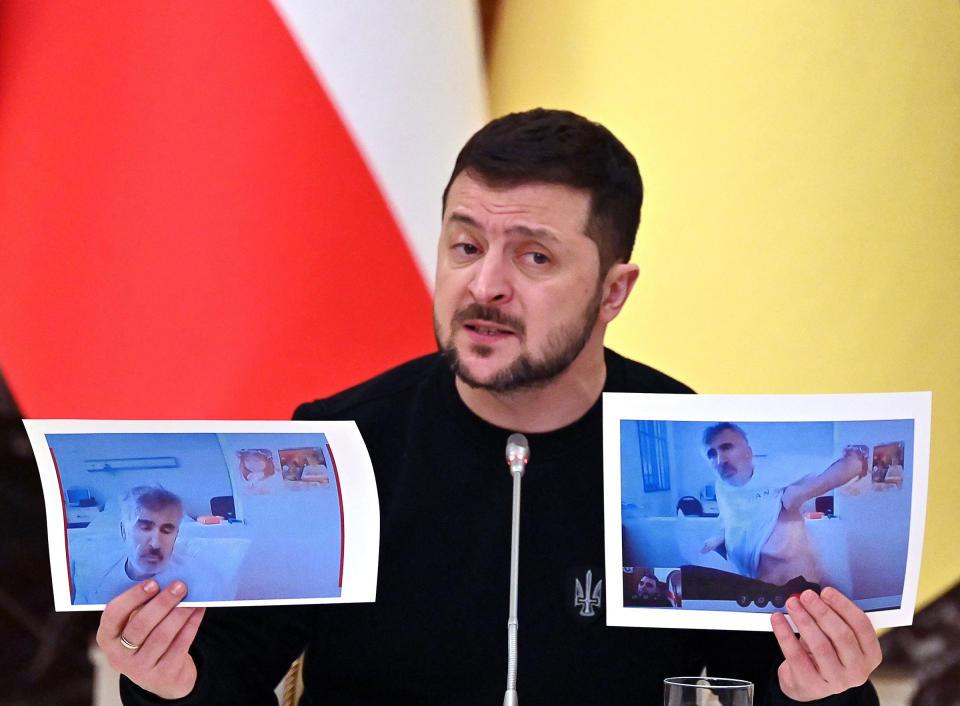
x,y
564,344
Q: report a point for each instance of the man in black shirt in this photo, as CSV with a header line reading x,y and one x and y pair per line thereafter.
x,y
538,226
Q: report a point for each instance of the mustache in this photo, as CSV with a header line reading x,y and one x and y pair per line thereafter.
x,y
493,315
152,553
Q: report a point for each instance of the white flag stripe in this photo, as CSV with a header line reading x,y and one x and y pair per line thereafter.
x,y
408,80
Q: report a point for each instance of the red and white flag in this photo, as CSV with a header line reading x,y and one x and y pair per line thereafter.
x,y
219,209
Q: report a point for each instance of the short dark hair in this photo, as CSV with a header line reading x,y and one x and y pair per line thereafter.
x,y
561,147
710,433
645,572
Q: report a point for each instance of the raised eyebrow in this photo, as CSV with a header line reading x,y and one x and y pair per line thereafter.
x,y
521,230
528,232
464,219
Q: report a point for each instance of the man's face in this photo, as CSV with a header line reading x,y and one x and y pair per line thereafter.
x,y
150,541
731,457
518,288
647,587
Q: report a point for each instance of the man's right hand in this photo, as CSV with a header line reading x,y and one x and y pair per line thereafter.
x,y
161,634
856,457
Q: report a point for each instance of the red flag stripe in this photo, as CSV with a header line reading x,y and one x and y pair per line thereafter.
x,y
188,228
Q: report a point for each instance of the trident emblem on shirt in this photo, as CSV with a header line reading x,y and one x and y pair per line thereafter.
x,y
587,599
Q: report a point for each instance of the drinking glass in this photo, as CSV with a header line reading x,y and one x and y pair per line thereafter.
x,y
707,691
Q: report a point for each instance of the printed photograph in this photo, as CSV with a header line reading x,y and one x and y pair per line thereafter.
x,y
740,515
736,516
225,513
305,465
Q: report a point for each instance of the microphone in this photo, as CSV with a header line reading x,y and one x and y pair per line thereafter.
x,y
518,453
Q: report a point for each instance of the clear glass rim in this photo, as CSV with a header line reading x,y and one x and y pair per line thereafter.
x,y
711,682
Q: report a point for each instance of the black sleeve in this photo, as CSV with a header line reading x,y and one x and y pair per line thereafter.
x,y
241,656
311,411
864,695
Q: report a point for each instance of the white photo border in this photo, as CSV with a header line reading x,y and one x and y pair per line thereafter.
x,y
358,491
619,406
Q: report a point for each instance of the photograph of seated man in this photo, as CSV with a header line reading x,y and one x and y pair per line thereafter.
x,y
149,526
642,587
764,535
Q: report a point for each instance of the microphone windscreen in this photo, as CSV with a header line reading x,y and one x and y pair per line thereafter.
x,y
517,448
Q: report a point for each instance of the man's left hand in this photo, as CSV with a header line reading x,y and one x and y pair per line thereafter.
x,y
837,648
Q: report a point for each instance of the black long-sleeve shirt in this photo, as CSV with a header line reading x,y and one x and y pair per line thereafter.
x,y
436,633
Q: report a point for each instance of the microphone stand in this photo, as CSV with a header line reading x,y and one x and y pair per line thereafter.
x,y
518,453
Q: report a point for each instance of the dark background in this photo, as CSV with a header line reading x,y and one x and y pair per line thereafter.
x,y
44,652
